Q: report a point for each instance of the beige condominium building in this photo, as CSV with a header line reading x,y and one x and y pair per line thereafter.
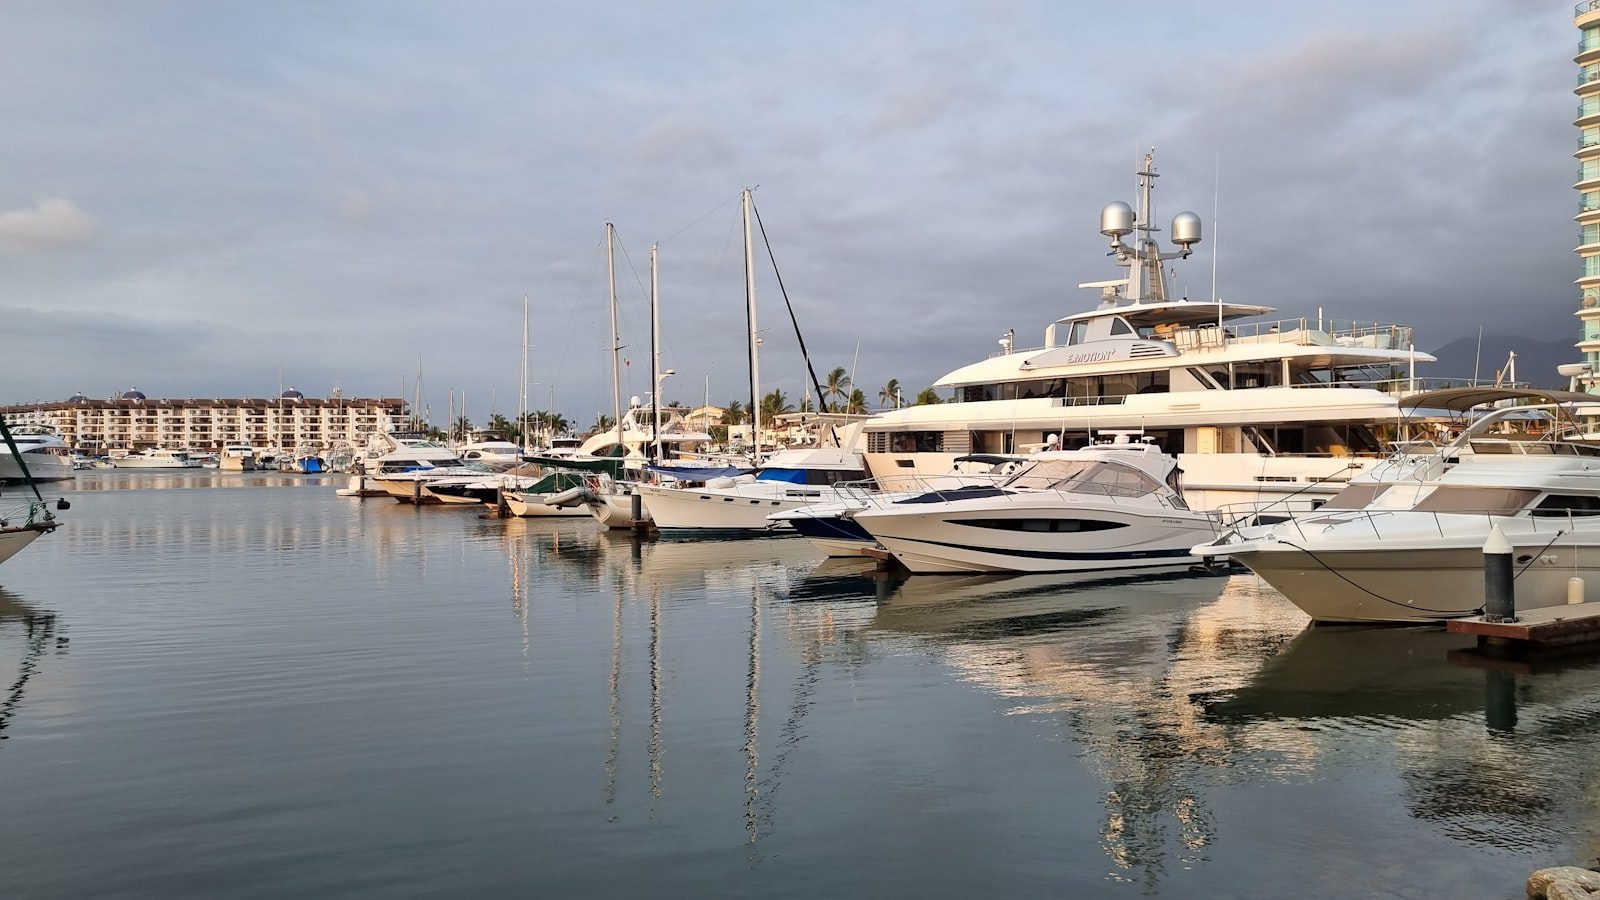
x,y
133,421
1586,375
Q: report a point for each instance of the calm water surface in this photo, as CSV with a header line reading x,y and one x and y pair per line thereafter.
x,y
231,685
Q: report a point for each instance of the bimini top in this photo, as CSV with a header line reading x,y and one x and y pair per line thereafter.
x,y
1464,398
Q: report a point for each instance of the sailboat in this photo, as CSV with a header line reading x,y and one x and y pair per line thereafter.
x,y
37,519
789,480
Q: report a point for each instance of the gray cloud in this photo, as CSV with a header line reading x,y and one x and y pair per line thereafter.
x,y
57,222
341,192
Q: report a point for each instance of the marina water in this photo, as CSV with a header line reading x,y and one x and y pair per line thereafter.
x,y
243,685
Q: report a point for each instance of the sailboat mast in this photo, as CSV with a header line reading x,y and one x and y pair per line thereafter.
x,y
522,379
616,370
655,359
750,317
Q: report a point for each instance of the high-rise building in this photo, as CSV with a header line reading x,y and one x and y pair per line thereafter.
x,y
1586,375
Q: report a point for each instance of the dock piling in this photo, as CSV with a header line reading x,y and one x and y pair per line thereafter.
x,y
1499,585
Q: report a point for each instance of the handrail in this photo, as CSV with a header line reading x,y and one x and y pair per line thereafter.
x,y
1586,6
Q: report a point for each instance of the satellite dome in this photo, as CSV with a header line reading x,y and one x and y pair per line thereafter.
x,y
78,398
133,394
292,394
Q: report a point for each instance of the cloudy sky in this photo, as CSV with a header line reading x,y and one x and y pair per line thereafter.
x,y
194,196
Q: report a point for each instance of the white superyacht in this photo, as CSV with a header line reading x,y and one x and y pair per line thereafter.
x,y
43,451
1254,410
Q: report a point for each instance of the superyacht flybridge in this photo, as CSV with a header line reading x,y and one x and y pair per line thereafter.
x,y
1257,411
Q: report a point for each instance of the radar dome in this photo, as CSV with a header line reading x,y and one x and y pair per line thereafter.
x,y
634,401
1186,229
292,394
1116,220
78,398
133,394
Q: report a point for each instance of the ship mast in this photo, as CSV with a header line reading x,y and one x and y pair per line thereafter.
x,y
753,337
1146,282
616,371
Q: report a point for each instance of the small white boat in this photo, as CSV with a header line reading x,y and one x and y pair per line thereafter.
x,y
1100,509
156,459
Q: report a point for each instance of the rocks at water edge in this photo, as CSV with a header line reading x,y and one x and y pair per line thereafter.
x,y
1563,883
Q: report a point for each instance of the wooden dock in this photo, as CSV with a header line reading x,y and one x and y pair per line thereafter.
x,y
1546,626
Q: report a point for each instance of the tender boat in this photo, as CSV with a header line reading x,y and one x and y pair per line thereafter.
x,y
156,459
1099,509
43,451
1409,548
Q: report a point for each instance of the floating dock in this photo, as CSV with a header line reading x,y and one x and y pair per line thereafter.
x,y
1546,626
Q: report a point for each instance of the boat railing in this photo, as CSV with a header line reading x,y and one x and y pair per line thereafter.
x,y
876,493
1473,524
1302,331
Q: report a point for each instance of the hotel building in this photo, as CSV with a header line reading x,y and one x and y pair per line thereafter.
x,y
136,422
1586,375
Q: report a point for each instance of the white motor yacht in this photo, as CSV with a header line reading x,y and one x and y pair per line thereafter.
x,y
1410,549
789,479
490,448
1254,409
237,456
1098,509
396,453
156,459
43,451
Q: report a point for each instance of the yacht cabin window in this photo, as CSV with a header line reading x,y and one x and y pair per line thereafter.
x,y
1458,498
1079,333
1120,327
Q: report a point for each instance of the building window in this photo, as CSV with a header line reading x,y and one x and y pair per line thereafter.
x,y
1590,39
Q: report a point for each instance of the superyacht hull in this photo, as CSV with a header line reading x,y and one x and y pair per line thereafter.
x,y
42,466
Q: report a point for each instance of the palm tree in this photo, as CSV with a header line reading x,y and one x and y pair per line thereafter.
x,y
556,422
501,424
836,388
889,395
806,405
928,395
776,404
734,414
462,427
602,422
857,402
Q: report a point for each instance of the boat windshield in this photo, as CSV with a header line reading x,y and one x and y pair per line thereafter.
x,y
1089,476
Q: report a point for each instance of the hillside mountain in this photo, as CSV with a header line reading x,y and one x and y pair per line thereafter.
x,y
1536,360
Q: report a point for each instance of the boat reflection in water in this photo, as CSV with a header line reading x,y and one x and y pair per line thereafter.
x,y
27,637
1186,699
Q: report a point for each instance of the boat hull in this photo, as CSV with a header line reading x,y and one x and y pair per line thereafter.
x,y
945,541
834,535
533,506
615,510
691,510
13,540
1411,585
42,466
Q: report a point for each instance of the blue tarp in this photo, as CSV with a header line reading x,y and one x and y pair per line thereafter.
x,y
688,473
792,476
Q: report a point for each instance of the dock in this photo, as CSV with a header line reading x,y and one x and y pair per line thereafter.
x,y
1546,626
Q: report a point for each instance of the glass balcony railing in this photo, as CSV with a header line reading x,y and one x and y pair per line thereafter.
x,y
1587,74
1589,107
1587,6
